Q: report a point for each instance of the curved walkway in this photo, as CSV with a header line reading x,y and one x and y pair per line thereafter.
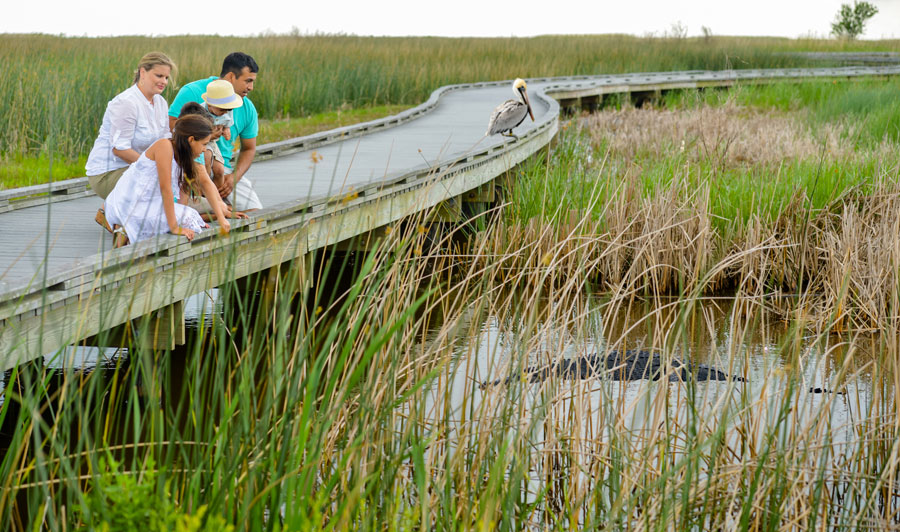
x,y
55,262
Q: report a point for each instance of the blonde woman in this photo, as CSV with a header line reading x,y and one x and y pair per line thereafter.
x,y
134,120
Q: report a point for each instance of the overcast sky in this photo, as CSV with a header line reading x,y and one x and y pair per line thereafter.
x,y
786,18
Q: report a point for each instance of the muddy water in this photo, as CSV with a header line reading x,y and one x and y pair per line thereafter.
x,y
828,384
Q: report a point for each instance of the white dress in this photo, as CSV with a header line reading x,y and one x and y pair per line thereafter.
x,y
137,203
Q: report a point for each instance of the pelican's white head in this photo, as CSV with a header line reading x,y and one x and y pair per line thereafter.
x,y
519,88
518,84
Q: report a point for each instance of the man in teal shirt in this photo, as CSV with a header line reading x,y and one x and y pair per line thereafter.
x,y
240,70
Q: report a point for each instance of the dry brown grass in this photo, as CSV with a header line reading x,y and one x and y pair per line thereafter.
x,y
727,135
844,261
842,257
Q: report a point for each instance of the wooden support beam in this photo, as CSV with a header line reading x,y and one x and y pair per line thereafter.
x,y
269,287
639,98
163,328
486,193
570,105
363,242
591,103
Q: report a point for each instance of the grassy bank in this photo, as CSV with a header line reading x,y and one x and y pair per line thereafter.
x,y
765,190
56,100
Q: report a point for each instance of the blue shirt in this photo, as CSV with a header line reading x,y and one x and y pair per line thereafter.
x,y
246,119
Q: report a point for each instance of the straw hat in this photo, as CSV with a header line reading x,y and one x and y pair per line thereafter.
x,y
220,93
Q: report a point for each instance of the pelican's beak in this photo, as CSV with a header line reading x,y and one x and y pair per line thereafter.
x,y
524,94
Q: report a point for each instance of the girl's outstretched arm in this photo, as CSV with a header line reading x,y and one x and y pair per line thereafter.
x,y
212,196
161,153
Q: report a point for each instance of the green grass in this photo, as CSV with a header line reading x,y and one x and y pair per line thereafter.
x,y
280,417
335,409
22,170
272,130
55,102
864,112
548,191
867,108
62,85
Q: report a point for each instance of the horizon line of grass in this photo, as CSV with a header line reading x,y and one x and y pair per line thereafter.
x,y
56,100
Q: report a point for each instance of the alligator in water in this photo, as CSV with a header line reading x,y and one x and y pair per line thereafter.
x,y
630,365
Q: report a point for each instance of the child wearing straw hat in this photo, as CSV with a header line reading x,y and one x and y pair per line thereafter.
x,y
220,99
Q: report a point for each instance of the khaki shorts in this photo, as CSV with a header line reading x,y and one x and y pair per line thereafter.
x,y
103,184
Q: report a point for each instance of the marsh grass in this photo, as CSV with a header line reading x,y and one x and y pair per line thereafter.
x,y
55,101
361,404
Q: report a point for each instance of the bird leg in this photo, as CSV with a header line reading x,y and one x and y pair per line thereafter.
x,y
510,134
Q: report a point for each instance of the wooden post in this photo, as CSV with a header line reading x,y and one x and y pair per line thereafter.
x,y
269,287
449,211
163,328
591,103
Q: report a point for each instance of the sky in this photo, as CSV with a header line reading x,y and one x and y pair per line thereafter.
x,y
784,18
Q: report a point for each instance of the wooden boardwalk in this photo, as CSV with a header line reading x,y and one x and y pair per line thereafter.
x,y
60,281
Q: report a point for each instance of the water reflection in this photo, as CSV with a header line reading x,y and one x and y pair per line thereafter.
x,y
784,368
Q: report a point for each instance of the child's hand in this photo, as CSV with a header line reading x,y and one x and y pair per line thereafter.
x,y
227,133
188,233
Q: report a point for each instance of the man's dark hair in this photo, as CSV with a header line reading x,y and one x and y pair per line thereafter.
x,y
235,63
194,108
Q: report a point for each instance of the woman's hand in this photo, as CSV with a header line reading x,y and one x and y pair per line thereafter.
x,y
224,226
188,233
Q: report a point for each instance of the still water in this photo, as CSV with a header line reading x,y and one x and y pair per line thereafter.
x,y
824,382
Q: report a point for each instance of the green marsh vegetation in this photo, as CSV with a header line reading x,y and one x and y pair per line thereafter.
x,y
793,186
361,406
56,99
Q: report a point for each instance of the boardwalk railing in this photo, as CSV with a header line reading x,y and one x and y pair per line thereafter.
x,y
63,303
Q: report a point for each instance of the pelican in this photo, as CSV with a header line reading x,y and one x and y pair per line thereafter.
x,y
510,113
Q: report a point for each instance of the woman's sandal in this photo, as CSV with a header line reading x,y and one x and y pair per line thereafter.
x,y
100,218
120,238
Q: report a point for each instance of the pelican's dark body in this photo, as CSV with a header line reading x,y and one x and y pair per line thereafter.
x,y
629,365
506,116
511,113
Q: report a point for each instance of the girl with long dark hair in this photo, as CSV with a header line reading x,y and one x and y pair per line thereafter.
x,y
144,202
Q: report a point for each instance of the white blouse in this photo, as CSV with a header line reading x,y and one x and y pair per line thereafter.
x,y
130,121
